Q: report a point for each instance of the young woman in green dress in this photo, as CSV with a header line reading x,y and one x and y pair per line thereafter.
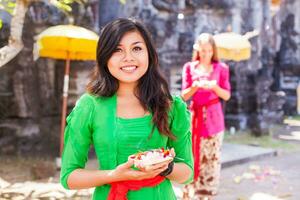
x,y
127,108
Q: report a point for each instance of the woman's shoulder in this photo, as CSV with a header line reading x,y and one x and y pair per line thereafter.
x,y
189,67
178,104
190,64
221,65
86,99
221,68
177,100
92,99
179,116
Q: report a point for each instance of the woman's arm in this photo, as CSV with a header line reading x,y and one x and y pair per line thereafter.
x,y
82,178
222,93
223,88
187,93
180,127
181,172
188,88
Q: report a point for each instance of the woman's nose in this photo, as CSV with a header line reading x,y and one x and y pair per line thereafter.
x,y
128,56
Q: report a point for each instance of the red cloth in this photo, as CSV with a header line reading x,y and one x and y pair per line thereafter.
x,y
198,116
118,190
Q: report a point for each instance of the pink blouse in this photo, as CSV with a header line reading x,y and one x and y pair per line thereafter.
x,y
214,122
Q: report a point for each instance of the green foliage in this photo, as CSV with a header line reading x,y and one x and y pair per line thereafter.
x,y
8,5
65,5
122,1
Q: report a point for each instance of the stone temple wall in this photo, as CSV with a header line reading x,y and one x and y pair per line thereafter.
x,y
256,101
263,88
31,90
287,72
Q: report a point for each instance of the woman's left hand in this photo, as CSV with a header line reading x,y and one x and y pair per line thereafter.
x,y
158,166
210,85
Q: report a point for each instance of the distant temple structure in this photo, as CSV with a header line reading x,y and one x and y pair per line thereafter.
x,y
263,87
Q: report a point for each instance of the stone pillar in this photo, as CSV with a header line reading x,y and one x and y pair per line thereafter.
x,y
298,98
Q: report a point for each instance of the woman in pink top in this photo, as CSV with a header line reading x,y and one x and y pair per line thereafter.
x,y
206,80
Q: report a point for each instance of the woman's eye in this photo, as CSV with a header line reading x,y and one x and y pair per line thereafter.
x,y
137,48
117,50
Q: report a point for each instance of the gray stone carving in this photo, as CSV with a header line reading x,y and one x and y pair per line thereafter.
x,y
263,88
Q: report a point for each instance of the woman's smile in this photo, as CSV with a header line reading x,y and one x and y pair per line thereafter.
x,y
129,69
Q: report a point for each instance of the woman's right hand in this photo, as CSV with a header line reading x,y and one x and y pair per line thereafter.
x,y
124,171
195,84
205,84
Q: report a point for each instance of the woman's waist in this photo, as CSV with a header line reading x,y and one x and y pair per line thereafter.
x,y
197,103
159,190
202,98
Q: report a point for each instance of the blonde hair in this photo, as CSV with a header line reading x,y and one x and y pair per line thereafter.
x,y
202,39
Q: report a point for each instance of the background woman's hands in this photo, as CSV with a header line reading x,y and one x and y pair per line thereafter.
x,y
196,84
210,85
205,84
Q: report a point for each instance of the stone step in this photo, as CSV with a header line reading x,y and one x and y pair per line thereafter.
x,y
233,154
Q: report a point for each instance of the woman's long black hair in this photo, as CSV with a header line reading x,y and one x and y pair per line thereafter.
x,y
152,89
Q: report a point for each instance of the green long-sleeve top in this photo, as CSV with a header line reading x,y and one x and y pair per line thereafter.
x,y
93,121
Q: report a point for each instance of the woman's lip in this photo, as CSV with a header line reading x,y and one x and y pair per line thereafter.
x,y
128,68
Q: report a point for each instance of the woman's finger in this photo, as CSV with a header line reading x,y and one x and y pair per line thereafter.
x,y
157,167
172,151
126,165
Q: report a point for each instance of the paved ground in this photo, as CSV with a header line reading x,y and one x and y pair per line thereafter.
x,y
234,154
273,175
258,172
267,177
254,173
248,173
278,176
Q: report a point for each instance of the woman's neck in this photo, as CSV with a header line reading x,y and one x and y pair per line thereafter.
x,y
126,89
206,65
128,105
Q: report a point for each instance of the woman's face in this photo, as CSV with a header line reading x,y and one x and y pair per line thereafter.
x,y
130,60
205,52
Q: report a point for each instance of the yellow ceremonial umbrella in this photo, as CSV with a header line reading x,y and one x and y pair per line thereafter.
x,y
232,46
66,42
275,2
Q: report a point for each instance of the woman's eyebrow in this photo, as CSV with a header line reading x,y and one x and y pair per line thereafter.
x,y
134,43
137,42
